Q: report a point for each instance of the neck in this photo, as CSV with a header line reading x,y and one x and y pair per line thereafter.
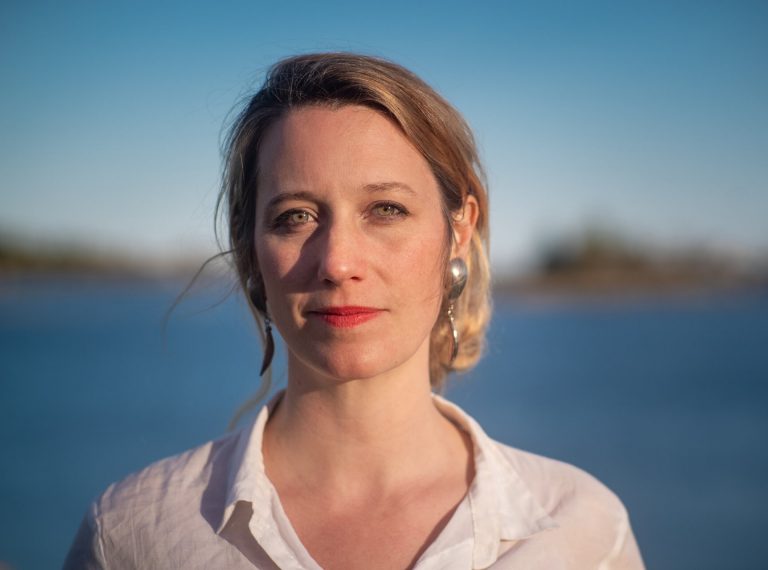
x,y
359,436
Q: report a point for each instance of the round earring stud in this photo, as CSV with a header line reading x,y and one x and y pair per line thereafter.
x,y
458,270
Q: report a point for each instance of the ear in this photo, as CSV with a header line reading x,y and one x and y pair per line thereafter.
x,y
464,226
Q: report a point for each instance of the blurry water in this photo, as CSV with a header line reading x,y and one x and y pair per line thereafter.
x,y
665,401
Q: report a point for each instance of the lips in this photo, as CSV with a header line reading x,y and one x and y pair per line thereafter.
x,y
345,317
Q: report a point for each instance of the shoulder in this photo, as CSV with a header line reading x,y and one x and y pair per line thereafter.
x,y
556,486
591,523
560,487
552,489
172,500
173,479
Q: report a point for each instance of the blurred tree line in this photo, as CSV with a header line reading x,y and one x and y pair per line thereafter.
x,y
602,260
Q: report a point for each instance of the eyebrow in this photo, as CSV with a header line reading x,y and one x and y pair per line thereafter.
x,y
388,186
285,196
373,187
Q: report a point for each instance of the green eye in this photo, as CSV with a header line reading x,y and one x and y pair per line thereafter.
x,y
298,217
388,210
292,219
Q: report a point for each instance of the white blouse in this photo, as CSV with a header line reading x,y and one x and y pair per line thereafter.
x,y
214,507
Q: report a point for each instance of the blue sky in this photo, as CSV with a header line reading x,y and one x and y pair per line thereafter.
x,y
648,116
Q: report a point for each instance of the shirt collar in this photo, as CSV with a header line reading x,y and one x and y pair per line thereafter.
x,y
247,479
503,506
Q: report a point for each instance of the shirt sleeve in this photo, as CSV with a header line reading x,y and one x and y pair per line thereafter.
x,y
87,550
625,554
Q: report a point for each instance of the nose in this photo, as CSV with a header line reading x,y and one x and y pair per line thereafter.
x,y
341,254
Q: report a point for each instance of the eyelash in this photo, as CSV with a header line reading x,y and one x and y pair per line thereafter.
x,y
401,211
283,221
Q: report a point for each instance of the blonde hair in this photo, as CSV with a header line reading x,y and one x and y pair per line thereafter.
x,y
429,122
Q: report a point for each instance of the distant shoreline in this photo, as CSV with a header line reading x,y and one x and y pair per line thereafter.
x,y
592,268
620,286
526,291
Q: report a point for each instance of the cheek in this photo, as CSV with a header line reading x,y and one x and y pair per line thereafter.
x,y
420,270
277,272
277,264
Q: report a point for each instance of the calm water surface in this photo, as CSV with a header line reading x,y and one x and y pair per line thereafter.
x,y
666,401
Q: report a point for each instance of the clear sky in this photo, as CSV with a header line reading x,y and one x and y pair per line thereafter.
x,y
649,116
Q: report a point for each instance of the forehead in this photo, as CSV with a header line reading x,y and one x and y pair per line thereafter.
x,y
350,145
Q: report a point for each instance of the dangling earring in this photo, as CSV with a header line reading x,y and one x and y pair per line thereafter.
x,y
459,273
269,344
261,307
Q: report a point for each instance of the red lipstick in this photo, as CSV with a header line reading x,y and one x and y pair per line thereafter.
x,y
346,317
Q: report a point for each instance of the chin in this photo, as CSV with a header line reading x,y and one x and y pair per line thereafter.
x,y
357,368
352,365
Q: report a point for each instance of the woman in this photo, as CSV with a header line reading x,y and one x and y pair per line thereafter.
x,y
358,226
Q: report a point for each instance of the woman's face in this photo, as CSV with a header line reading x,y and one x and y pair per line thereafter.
x,y
351,241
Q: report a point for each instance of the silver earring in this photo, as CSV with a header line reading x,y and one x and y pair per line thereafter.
x,y
269,345
459,272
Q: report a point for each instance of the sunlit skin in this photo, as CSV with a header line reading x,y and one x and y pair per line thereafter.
x,y
349,215
352,244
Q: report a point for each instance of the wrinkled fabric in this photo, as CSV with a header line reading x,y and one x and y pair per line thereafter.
x,y
214,507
